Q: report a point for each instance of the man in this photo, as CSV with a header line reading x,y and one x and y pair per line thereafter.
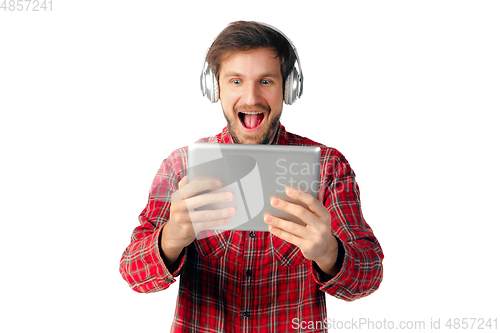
x,y
245,281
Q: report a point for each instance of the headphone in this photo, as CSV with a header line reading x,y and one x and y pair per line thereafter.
x,y
294,83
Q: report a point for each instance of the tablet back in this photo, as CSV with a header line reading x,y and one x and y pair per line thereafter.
x,y
254,173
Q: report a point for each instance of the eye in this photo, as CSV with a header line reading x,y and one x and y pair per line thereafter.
x,y
265,82
236,81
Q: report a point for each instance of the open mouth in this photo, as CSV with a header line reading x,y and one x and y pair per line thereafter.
x,y
251,120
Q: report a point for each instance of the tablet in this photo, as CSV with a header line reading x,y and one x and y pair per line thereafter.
x,y
254,173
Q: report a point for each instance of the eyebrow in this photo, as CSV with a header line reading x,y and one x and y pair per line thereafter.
x,y
237,74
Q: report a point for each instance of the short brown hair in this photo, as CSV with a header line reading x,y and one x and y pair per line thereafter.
x,y
249,35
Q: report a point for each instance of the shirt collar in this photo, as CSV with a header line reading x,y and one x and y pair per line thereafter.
x,y
281,137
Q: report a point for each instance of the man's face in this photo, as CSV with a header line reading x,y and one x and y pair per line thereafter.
x,y
251,94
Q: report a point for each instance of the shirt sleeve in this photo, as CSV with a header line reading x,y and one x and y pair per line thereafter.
x,y
362,271
141,264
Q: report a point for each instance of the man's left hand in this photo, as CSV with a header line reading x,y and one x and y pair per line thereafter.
x,y
315,239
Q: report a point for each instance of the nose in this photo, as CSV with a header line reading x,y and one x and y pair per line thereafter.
x,y
251,94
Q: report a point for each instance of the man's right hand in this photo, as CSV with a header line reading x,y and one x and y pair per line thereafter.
x,y
185,223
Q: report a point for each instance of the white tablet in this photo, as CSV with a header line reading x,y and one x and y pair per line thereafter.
x,y
254,173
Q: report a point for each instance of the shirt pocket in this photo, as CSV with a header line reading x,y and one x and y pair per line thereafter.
x,y
286,253
212,243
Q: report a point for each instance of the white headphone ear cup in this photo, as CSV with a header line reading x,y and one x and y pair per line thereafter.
x,y
290,92
287,89
215,95
288,83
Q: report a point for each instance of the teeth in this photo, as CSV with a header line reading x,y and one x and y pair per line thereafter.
x,y
251,112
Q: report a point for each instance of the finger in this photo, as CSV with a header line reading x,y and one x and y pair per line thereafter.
x,y
188,189
286,236
180,189
211,215
200,185
302,213
207,199
210,224
288,226
314,204
184,181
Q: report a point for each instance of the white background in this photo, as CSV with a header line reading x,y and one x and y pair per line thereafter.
x,y
95,94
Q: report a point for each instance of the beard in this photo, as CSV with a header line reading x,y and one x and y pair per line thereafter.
x,y
265,135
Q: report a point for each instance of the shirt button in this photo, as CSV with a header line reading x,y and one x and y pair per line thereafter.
x,y
249,273
252,234
246,314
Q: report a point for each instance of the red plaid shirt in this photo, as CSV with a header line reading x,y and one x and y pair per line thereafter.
x,y
245,281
